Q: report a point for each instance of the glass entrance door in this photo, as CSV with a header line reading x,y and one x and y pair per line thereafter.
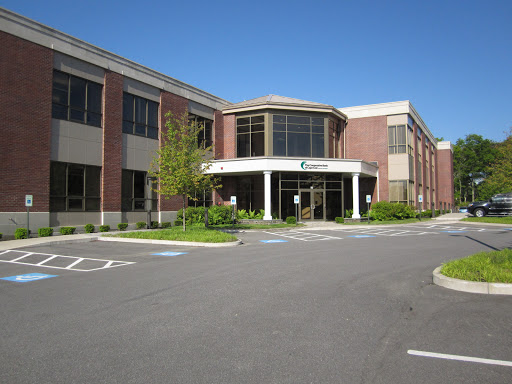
x,y
312,204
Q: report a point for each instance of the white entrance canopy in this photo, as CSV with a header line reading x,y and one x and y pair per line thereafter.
x,y
267,165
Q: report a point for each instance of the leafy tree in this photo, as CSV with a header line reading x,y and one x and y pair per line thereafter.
x,y
471,157
500,171
180,164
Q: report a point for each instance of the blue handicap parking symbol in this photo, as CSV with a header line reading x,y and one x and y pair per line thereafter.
x,y
454,231
170,253
361,236
27,277
507,229
274,241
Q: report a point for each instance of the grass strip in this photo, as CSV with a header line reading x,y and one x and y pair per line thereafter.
x,y
195,234
490,267
493,220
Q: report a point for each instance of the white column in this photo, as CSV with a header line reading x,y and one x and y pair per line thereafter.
x,y
355,195
268,208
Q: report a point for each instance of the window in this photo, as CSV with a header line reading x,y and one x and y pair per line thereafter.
x,y
204,140
250,136
204,199
76,99
299,136
140,116
74,187
133,192
334,139
401,191
399,137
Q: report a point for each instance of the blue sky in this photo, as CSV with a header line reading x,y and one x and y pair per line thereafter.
x,y
451,59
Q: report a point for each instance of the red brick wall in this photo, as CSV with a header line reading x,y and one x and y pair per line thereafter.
x,y
228,138
112,142
26,73
367,139
445,176
218,135
178,105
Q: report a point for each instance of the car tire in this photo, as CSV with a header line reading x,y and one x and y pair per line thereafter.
x,y
479,212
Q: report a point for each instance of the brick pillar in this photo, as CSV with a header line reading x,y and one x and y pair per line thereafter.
x,y
178,105
112,148
218,135
26,73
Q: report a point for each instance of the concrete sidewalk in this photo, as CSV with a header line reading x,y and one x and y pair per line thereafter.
x,y
50,240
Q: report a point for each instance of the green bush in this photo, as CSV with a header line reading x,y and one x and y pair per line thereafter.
x,y
166,224
141,224
291,220
154,224
20,233
349,212
67,230
178,223
0,236
89,228
339,220
217,214
122,226
104,228
45,232
384,211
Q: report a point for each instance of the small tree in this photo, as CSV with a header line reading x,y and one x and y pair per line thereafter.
x,y
180,164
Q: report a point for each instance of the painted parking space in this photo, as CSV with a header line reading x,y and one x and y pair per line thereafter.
x,y
70,263
364,231
27,277
170,253
303,235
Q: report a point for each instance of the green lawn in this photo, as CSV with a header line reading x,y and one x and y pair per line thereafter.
x,y
491,267
495,220
195,234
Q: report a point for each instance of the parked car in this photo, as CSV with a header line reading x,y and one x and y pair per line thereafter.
x,y
500,204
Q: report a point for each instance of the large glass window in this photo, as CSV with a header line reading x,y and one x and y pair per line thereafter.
x,y
250,136
204,139
133,192
74,187
140,116
397,139
298,136
204,199
76,99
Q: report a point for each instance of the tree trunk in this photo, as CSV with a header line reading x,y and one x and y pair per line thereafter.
x,y
184,226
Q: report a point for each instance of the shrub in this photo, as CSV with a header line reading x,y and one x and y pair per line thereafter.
x,y
20,233
242,214
349,212
384,210
154,224
178,223
45,232
219,214
122,226
291,220
339,220
141,224
89,228
0,236
166,224
104,228
67,230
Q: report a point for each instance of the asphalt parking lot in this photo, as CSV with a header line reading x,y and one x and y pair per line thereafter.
x,y
349,305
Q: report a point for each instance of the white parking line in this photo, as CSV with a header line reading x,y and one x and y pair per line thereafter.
x,y
460,358
303,236
75,261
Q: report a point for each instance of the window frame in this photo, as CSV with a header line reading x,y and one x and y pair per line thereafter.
x,y
132,200
133,123
71,109
298,129
251,134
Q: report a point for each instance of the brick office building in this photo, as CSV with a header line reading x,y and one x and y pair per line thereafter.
x,y
80,126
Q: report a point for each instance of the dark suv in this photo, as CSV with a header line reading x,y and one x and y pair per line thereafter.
x,y
500,204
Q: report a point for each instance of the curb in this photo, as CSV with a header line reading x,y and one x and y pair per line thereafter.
x,y
170,242
470,286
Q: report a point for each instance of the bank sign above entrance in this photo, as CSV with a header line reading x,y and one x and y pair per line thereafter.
x,y
313,165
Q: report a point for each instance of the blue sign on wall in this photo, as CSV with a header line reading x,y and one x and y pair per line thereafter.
x,y
27,277
169,253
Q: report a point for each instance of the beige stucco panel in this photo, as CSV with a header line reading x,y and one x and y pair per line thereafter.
x,y
397,119
398,167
